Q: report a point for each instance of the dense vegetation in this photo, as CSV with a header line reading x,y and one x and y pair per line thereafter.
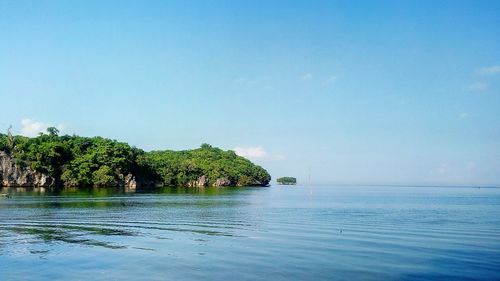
x,y
182,167
96,161
286,180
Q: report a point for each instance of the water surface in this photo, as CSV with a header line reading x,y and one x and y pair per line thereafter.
x,y
274,233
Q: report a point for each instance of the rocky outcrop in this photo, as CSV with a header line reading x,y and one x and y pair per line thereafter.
x,y
222,182
203,181
253,183
200,182
18,174
129,181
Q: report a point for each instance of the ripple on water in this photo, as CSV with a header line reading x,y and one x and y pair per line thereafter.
x,y
255,234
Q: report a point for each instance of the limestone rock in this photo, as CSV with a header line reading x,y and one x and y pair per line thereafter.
x,y
222,182
14,174
130,181
200,182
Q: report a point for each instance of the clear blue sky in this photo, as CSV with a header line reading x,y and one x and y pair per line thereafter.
x,y
346,91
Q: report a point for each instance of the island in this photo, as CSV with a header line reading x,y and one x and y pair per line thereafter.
x,y
50,160
287,180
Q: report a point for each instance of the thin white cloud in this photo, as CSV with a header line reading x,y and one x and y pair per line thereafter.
x,y
306,77
490,69
478,86
259,82
250,151
332,79
463,115
31,127
257,152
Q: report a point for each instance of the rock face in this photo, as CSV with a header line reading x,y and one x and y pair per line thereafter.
x,y
203,181
222,182
129,182
12,174
200,182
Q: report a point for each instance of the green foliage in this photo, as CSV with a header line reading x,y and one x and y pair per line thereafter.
x,y
178,168
7,141
53,131
3,142
287,180
76,161
82,161
104,176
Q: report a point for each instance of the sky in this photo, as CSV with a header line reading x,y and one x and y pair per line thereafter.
x,y
370,92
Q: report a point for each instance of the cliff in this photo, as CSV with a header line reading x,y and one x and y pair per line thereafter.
x,y
204,181
12,174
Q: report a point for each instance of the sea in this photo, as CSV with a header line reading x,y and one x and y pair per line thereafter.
x,y
300,232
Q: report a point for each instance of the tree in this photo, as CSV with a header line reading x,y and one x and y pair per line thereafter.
x,y
217,165
53,131
287,180
205,146
10,139
103,177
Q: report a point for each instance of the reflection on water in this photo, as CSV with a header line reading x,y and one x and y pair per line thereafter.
x,y
278,233
106,192
67,204
67,234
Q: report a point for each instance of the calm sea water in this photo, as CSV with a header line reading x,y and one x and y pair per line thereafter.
x,y
274,233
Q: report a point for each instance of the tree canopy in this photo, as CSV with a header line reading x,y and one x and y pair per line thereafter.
x,y
97,161
286,180
182,167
